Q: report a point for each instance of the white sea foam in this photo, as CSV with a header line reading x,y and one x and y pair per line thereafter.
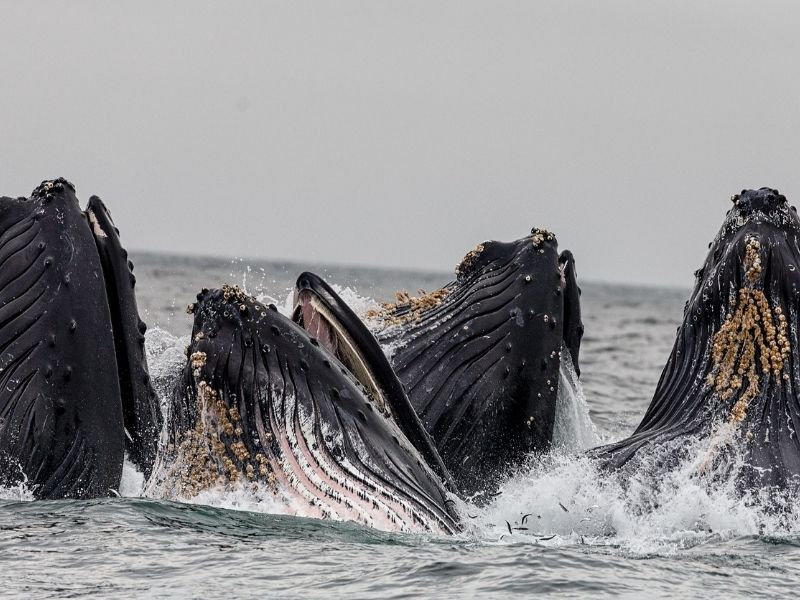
x,y
570,499
360,304
19,492
132,483
251,498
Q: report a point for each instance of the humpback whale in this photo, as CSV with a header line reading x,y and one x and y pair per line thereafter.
x,y
733,376
74,386
479,359
263,402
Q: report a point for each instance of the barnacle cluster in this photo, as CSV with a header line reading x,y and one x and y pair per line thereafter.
x,y
234,292
469,260
751,344
539,236
212,453
198,361
752,260
407,308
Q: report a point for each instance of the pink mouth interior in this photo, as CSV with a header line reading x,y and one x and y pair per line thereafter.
x,y
314,324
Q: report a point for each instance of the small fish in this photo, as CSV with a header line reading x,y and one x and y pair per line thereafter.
x,y
509,528
547,539
525,518
564,508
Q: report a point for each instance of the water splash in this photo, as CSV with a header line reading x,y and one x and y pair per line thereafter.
x,y
573,429
565,499
358,303
16,493
132,483
166,357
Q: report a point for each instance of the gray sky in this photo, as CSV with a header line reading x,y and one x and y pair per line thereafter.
x,y
402,133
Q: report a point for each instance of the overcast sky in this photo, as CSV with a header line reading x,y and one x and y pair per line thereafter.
x,y
403,133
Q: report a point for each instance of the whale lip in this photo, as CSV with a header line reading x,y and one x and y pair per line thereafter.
x,y
141,411
573,324
327,318
333,324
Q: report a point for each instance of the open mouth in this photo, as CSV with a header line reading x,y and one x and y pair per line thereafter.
x,y
335,327
314,315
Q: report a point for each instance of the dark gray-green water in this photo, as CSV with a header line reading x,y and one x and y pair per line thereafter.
x,y
574,532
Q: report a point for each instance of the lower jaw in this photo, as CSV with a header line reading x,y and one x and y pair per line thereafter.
x,y
294,469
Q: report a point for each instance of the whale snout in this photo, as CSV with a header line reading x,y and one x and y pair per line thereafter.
x,y
762,200
756,242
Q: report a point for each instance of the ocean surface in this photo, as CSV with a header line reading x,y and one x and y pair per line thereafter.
x,y
558,528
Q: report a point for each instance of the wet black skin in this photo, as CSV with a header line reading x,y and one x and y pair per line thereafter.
x,y
256,359
141,411
573,325
686,404
371,354
62,428
481,368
